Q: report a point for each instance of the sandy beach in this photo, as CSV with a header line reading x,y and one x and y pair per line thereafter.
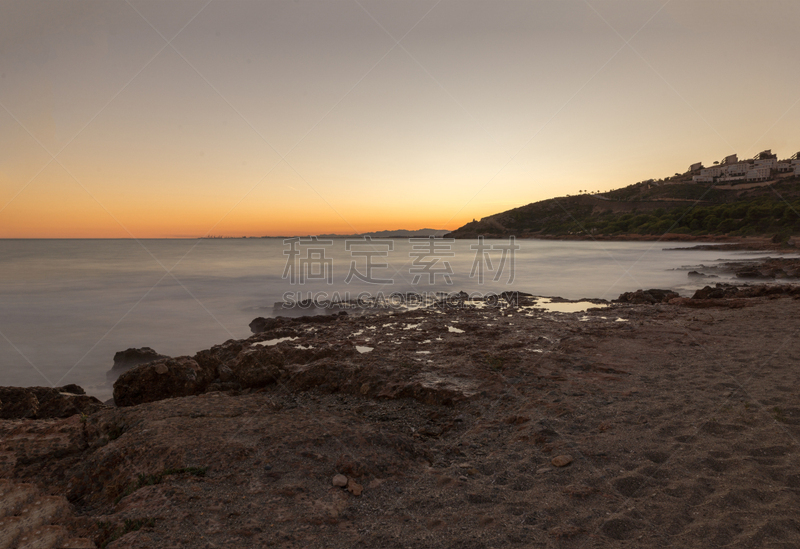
x,y
628,425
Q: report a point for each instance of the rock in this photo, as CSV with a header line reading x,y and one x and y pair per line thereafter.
x,y
709,293
750,273
72,389
130,358
18,403
262,324
255,367
46,402
339,480
561,461
214,358
354,488
430,389
174,377
647,296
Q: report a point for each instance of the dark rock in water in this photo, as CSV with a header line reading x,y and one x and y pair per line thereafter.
x,y
129,358
647,296
750,273
72,389
709,293
696,274
514,295
262,324
45,402
174,377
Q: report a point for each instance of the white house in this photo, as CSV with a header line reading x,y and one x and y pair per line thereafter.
x,y
783,167
711,172
738,169
758,173
696,166
702,179
730,159
770,163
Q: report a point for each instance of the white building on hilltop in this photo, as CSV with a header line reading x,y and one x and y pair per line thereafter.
x,y
759,173
770,163
730,159
738,169
711,172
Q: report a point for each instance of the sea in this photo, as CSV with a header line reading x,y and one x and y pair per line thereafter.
x,y
67,306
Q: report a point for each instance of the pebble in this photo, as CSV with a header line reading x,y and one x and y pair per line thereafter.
x,y
354,488
562,461
543,470
339,480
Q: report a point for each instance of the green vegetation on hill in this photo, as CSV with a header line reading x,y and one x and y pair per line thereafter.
x,y
741,218
649,208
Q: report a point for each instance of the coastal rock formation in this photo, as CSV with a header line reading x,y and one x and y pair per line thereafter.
x,y
721,290
174,377
643,297
46,402
30,519
254,367
127,359
769,268
261,324
442,428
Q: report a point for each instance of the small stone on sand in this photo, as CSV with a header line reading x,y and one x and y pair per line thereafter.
x,y
354,488
339,480
561,461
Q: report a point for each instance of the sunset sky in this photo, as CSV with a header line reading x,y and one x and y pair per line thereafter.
x,y
188,118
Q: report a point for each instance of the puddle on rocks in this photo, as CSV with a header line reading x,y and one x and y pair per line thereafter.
x,y
575,307
271,342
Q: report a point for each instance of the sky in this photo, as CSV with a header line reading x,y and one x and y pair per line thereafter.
x,y
153,119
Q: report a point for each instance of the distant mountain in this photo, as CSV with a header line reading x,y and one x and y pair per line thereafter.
x,y
398,233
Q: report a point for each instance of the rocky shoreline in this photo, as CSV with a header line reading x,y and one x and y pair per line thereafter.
x,y
654,420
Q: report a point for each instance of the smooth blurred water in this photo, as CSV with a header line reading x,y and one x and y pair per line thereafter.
x,y
66,306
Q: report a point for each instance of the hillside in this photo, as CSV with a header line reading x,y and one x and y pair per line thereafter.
x,y
676,205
